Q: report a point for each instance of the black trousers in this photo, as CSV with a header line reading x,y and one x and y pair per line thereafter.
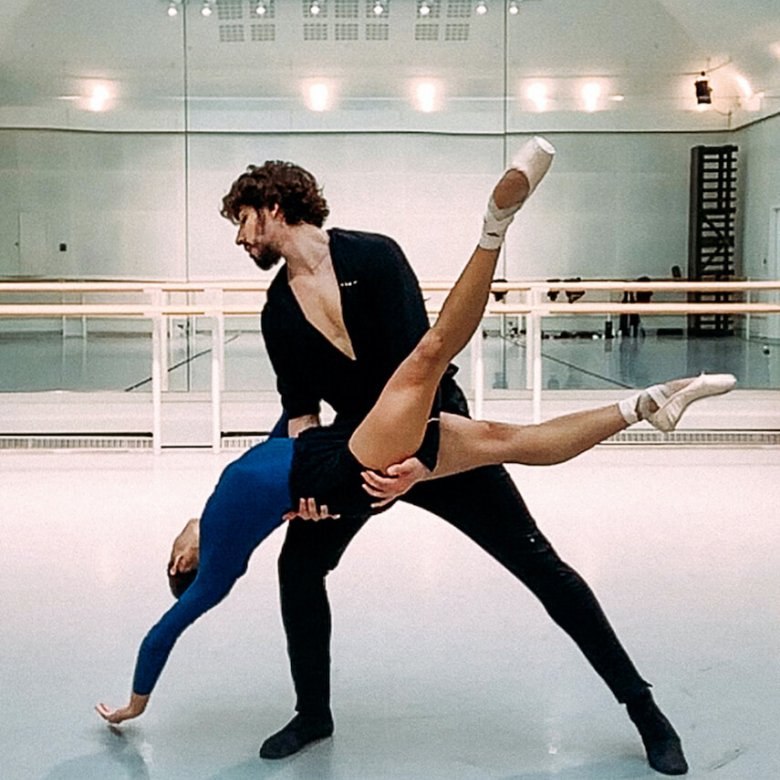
x,y
486,506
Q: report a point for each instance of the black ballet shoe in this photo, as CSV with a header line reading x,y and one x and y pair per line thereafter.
x,y
302,730
661,741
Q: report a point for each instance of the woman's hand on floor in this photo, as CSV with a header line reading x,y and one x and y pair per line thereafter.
x,y
133,710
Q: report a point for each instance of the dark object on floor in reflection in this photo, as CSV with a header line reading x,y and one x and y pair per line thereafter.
x,y
574,295
676,272
677,333
553,294
571,295
499,296
576,334
630,323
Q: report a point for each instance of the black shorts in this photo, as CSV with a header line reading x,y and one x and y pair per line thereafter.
x,y
323,468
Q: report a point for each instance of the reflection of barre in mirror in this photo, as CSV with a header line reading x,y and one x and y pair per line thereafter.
x,y
273,480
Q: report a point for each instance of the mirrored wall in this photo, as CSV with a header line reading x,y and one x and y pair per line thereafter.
x,y
123,124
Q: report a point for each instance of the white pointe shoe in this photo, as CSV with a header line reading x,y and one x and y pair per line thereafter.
x,y
671,409
534,159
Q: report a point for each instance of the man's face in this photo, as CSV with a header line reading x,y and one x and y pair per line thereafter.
x,y
256,231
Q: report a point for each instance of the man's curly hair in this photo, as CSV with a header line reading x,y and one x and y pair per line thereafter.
x,y
280,183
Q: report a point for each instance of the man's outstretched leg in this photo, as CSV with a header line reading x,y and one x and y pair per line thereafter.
x,y
485,505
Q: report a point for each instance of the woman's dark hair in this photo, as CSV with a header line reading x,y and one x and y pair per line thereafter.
x,y
273,183
180,581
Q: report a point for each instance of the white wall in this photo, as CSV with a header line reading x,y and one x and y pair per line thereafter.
x,y
760,157
760,199
116,200
615,204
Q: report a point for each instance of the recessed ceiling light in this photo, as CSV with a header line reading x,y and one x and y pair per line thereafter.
x,y
99,98
591,93
537,94
318,96
426,96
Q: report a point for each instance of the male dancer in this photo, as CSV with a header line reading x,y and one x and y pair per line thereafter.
x,y
340,316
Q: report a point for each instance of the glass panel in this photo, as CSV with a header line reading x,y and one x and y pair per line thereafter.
x,y
578,354
75,354
92,177
122,125
353,68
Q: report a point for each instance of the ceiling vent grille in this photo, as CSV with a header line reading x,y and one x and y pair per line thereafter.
x,y
371,4
377,31
435,9
459,9
263,32
426,32
456,31
346,31
227,10
314,31
347,9
231,33
270,10
321,13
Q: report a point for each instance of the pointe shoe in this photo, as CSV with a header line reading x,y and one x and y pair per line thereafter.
x,y
534,159
671,408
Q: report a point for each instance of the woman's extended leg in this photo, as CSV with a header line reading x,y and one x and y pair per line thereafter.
x,y
394,428
466,444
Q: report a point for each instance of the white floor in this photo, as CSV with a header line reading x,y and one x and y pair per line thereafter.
x,y
444,667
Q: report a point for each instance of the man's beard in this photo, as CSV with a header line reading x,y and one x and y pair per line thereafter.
x,y
268,258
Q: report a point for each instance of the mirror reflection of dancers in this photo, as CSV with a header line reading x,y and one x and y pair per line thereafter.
x,y
256,491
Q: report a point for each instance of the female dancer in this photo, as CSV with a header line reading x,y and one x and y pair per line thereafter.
x,y
255,491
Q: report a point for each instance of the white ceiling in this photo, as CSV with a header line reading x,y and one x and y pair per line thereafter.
x,y
645,50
